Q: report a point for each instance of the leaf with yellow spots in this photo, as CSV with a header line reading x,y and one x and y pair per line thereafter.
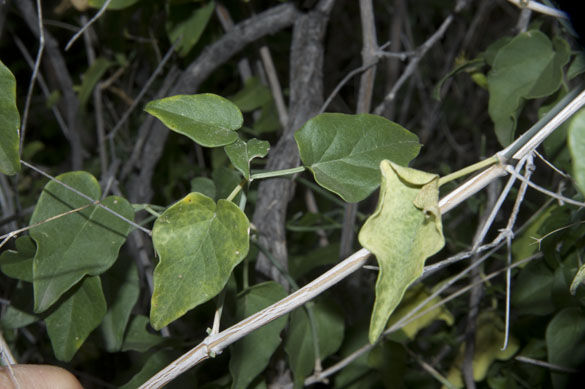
x,y
402,233
198,243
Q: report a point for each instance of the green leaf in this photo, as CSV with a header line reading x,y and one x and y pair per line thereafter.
x,y
489,55
525,244
199,243
76,317
555,145
469,66
268,120
203,185
82,243
301,264
186,23
576,141
561,294
532,290
9,123
412,299
565,341
138,337
578,280
253,96
19,264
114,5
356,375
207,119
577,66
299,343
402,233
153,364
121,288
20,311
390,360
91,77
527,67
250,355
241,153
225,181
344,151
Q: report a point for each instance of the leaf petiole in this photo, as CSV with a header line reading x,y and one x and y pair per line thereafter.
x,y
236,190
469,169
277,173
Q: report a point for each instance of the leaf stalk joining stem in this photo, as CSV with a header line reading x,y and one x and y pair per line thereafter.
x,y
468,170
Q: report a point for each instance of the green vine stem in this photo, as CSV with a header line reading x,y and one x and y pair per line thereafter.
x,y
236,190
277,173
469,169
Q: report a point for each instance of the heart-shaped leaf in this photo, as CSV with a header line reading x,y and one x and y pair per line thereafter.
x,y
81,243
76,317
250,355
90,79
199,243
204,186
241,153
121,288
207,119
565,341
138,338
527,67
489,338
402,233
344,151
299,343
19,313
149,366
9,123
186,22
19,264
253,96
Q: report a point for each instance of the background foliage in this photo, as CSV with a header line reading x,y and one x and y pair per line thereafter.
x,y
458,81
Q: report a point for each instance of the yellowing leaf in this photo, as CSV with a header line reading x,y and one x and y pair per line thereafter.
x,y
402,233
199,243
114,5
412,298
489,339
